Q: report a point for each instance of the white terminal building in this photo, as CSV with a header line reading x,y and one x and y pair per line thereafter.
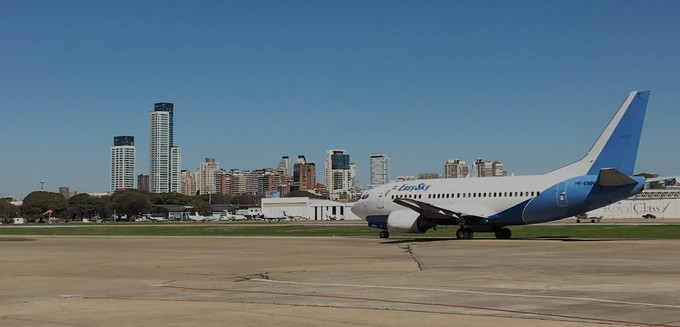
x,y
657,203
308,208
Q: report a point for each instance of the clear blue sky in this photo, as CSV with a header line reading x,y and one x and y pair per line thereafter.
x,y
530,83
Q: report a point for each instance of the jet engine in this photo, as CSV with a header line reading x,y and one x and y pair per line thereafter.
x,y
409,221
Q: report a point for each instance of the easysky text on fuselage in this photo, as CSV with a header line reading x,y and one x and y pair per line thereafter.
x,y
602,177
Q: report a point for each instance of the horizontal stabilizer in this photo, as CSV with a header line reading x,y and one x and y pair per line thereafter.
x,y
613,177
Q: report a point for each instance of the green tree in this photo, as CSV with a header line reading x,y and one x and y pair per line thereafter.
x,y
86,206
201,205
245,199
169,198
7,210
220,199
38,202
130,203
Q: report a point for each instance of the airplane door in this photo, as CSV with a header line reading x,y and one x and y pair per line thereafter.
x,y
562,194
381,201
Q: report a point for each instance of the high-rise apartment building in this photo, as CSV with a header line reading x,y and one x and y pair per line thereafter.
x,y
169,108
143,182
486,168
338,173
498,169
175,169
123,163
188,183
238,182
353,178
285,165
206,173
304,174
455,168
380,169
164,156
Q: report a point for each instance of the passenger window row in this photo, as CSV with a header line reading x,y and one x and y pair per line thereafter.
x,y
468,195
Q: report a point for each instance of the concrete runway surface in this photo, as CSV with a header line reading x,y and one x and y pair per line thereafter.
x,y
334,281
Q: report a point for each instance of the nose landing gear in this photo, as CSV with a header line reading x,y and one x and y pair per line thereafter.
x,y
384,234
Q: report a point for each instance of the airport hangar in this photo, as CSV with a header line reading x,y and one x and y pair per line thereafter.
x,y
307,208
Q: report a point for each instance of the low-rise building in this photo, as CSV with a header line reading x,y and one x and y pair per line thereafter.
x,y
307,208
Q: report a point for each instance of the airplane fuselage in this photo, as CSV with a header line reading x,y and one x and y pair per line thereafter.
x,y
510,200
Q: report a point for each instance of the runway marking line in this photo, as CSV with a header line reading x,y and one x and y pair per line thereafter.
x,y
460,306
471,292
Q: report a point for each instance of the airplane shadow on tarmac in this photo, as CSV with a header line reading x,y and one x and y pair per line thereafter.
x,y
538,238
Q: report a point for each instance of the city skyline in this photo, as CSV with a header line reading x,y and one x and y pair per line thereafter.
x,y
528,82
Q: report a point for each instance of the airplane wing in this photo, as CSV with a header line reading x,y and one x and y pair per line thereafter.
x,y
445,212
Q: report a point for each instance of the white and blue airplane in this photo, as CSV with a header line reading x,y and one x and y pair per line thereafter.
x,y
602,177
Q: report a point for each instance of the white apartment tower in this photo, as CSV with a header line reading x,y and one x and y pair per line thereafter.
x,y
285,165
164,157
123,163
380,169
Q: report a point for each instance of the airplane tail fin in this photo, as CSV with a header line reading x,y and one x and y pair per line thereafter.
x,y
617,146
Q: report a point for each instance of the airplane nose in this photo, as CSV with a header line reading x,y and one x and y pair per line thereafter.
x,y
358,209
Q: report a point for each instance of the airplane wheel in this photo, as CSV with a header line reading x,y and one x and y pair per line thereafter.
x,y
384,234
503,233
465,233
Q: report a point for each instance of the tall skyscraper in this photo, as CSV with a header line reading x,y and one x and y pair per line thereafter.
x,y
380,169
123,163
169,108
338,174
164,157
455,168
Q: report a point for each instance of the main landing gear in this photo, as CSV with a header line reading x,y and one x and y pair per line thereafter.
x,y
503,233
465,233
384,234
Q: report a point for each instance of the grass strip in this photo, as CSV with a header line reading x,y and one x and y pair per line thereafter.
x,y
533,231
